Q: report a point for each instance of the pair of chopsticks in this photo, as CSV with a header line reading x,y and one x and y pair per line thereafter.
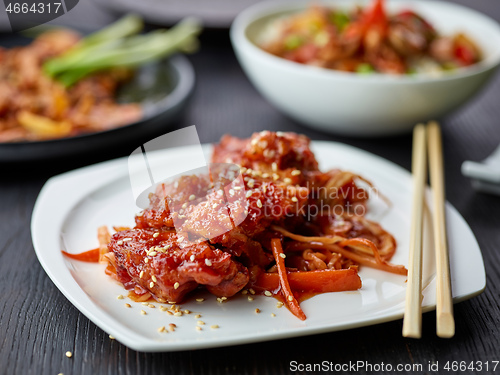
x,y
427,140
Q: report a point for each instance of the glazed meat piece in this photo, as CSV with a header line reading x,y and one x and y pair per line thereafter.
x,y
227,221
158,213
286,151
153,261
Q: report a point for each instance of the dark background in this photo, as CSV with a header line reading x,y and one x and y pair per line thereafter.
x,y
38,325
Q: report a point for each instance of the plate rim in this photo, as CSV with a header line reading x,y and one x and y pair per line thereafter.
x,y
137,342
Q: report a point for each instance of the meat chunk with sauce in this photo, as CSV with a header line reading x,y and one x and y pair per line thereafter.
x,y
152,260
267,152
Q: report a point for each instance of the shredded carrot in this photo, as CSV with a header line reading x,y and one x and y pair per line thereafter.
x,y
290,299
104,237
319,281
87,256
363,242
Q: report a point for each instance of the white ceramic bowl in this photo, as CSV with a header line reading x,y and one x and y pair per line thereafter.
x,y
360,105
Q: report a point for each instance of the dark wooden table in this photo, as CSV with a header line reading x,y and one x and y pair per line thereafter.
x,y
38,325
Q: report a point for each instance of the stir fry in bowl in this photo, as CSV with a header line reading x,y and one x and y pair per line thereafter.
x,y
368,40
35,107
62,84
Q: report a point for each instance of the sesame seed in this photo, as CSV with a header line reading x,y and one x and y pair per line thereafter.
x,y
153,253
178,313
200,322
187,312
275,176
120,242
192,197
128,305
141,274
296,172
200,299
294,199
151,306
279,305
249,193
184,205
274,166
251,183
290,298
231,192
119,296
176,285
198,328
156,234
172,302
250,298
143,312
257,311
268,293
244,292
214,326
146,260
151,284
287,180
69,354
208,262
170,312
259,203
161,329
283,255
172,325
127,239
191,258
273,315
163,308
144,303
111,337
251,291
265,175
197,316
237,188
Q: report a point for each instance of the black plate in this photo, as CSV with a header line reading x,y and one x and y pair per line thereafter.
x,y
162,89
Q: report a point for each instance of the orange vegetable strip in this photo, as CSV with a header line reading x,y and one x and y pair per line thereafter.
x,y
319,281
103,237
298,237
290,299
87,256
363,242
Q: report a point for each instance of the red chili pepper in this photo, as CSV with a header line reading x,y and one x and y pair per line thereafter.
x,y
464,54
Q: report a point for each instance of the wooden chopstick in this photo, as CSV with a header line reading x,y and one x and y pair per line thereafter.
x,y
412,322
445,323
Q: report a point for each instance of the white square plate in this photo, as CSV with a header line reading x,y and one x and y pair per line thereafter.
x,y
73,205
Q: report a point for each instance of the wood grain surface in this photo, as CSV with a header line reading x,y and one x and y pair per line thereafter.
x,y
38,325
